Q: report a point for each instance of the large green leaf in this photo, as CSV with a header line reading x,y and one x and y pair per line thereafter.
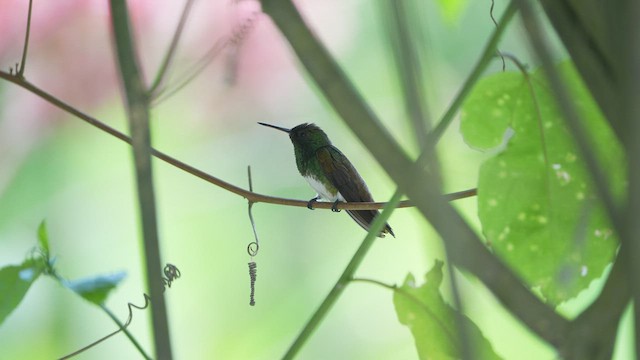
x,y
536,201
96,289
15,281
433,322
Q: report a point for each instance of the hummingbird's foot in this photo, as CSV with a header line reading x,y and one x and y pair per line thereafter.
x,y
310,203
334,208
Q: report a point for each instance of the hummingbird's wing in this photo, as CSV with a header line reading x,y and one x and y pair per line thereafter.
x,y
339,170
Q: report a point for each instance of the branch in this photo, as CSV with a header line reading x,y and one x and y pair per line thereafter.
x,y
168,57
592,334
580,27
20,69
401,23
238,34
462,243
138,113
249,195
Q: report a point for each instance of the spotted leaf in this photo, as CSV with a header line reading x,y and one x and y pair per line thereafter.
x,y
536,201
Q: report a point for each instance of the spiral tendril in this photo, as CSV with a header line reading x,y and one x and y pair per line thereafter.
x,y
253,273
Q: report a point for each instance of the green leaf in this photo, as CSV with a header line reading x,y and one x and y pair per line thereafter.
x,y
96,289
536,202
433,322
487,113
15,281
43,238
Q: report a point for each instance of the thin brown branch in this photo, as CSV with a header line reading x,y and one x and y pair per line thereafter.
x,y
169,56
249,195
20,69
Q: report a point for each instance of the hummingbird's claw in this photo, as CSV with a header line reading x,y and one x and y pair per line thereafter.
x,y
310,203
334,208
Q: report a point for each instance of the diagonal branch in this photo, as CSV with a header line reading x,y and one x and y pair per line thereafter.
x,y
168,57
462,243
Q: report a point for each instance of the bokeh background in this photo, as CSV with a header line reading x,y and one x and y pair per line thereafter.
x,y
55,167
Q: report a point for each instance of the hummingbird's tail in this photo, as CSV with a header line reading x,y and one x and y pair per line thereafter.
x,y
364,218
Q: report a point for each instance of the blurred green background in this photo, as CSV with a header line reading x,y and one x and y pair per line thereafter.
x,y
80,180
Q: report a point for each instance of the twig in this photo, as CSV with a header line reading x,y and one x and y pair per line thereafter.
x,y
487,55
253,224
249,195
238,35
495,23
168,57
123,328
253,247
20,70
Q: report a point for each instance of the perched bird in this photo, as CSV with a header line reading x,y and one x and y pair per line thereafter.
x,y
330,173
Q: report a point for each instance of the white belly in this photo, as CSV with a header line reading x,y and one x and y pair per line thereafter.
x,y
322,191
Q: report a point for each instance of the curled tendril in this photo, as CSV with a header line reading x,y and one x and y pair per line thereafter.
x,y
496,24
253,273
252,248
171,273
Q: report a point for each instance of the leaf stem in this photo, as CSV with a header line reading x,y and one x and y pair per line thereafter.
x,y
488,54
126,332
454,339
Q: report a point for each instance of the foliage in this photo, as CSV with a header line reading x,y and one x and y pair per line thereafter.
x,y
550,227
434,323
15,281
96,289
536,201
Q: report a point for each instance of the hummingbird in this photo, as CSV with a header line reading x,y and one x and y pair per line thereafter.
x,y
330,173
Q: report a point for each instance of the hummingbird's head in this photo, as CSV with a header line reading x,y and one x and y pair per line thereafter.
x,y
307,137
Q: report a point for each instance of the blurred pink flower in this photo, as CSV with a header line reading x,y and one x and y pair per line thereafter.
x,y
70,56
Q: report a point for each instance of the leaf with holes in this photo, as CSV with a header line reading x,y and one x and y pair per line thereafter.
x,y
433,322
15,281
96,289
536,202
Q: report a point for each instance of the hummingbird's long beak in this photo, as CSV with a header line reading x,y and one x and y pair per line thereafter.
x,y
276,127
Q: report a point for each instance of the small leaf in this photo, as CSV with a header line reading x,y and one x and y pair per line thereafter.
x,y
433,322
96,289
43,238
536,201
15,281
